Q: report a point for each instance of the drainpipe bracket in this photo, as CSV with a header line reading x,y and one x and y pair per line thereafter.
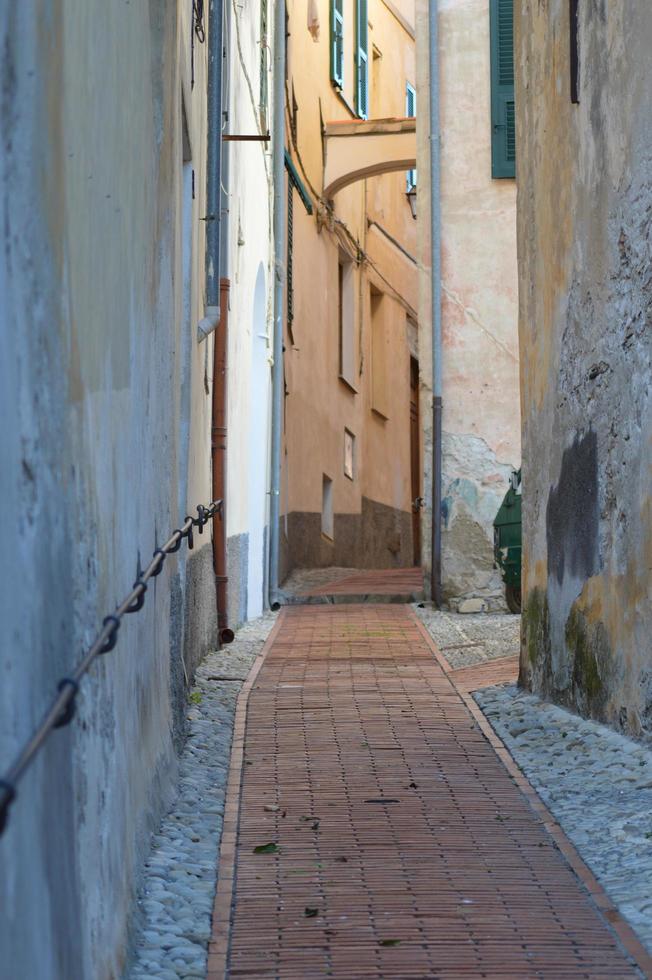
x,y
209,323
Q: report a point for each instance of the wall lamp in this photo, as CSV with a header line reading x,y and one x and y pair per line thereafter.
x,y
412,201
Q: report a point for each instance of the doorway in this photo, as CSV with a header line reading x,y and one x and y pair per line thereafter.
x,y
415,461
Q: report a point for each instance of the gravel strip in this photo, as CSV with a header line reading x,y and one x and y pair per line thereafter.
x,y
466,640
596,782
176,899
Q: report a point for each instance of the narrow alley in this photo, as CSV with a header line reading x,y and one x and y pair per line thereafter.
x,y
326,489
378,833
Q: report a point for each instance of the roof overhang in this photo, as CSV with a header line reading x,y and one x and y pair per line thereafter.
x,y
363,148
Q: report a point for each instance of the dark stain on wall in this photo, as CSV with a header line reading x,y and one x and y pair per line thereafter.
x,y
378,537
573,512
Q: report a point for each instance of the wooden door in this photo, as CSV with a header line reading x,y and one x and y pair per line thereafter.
x,y
415,466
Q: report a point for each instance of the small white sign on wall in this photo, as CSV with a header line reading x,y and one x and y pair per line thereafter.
x,y
349,454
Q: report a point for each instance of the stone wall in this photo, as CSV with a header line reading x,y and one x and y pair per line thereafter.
x,y
479,308
585,246
103,406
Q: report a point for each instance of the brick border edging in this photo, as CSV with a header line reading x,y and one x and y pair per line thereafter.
x,y
608,911
218,946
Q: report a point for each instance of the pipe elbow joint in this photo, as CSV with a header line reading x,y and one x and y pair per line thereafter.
x,y
209,323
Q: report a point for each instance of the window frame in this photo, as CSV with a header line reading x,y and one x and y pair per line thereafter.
x,y
362,59
410,95
337,43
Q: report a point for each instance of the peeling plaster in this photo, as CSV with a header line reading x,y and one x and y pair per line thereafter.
x,y
585,241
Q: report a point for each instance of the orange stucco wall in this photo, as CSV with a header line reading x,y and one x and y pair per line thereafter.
x,y
319,405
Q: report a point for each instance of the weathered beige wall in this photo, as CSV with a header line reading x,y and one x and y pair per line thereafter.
x,y
104,448
319,406
584,223
481,425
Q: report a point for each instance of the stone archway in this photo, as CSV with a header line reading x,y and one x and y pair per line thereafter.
x,y
366,148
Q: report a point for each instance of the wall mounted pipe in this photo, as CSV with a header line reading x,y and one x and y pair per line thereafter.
x,y
217,301
218,459
435,295
211,318
278,158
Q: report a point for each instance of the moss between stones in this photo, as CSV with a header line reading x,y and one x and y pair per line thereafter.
x,y
588,684
536,624
588,647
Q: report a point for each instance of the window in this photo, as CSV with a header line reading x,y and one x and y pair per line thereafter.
x,y
349,454
264,45
362,59
327,506
337,42
376,83
379,354
346,319
503,114
410,112
350,53
574,53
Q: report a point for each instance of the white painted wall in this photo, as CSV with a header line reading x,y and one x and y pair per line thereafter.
x,y
258,482
249,317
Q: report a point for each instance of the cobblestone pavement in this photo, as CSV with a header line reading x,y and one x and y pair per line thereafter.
x,y
471,639
596,782
176,899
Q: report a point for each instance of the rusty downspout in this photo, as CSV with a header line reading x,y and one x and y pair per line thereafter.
x,y
218,458
435,296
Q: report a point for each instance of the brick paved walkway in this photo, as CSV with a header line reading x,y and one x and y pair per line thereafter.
x,y
394,841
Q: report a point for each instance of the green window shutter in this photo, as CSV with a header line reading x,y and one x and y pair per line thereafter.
x,y
410,111
362,59
337,42
503,109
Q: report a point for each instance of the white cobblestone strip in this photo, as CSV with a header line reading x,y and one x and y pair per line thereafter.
x,y
467,640
178,890
598,785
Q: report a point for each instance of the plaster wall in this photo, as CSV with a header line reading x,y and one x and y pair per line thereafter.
x,y
103,449
481,421
584,221
370,223
250,312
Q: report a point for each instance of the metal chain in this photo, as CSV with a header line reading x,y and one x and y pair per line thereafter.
x,y
198,11
61,710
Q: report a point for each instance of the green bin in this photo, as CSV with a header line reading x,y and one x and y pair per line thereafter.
x,y
507,543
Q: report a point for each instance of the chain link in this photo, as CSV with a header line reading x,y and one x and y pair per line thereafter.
x,y
62,709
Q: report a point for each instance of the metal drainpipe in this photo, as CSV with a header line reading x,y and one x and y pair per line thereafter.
x,y
217,307
213,166
218,447
278,155
435,297
226,151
